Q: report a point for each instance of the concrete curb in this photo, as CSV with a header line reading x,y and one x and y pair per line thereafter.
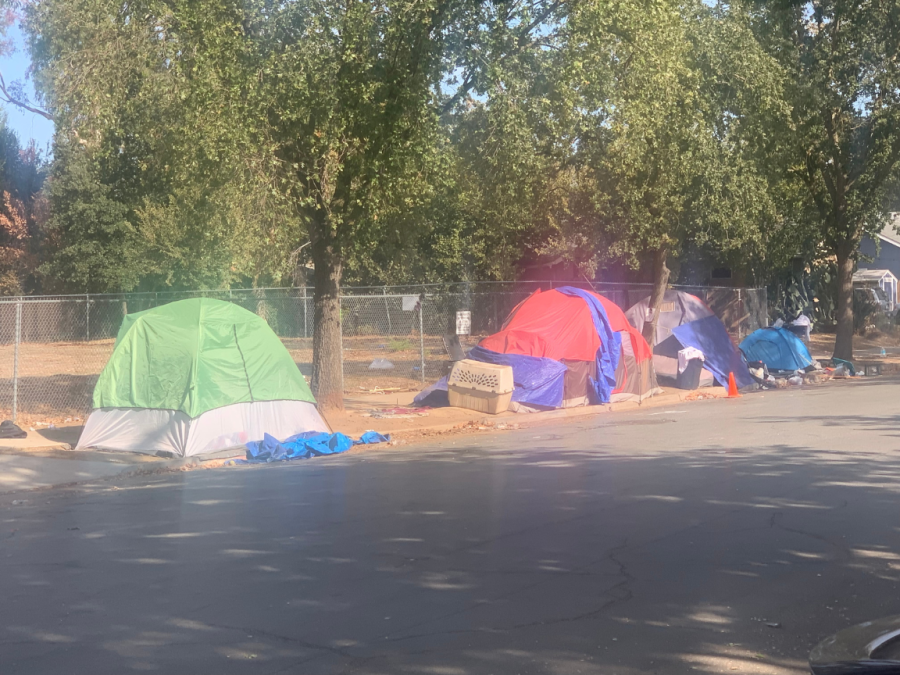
x,y
132,465
534,419
65,451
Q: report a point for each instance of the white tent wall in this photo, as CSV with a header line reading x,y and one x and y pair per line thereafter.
x,y
150,431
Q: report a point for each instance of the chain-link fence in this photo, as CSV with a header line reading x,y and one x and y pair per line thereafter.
x,y
52,348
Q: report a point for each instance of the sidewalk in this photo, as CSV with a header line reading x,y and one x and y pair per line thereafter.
x,y
372,411
46,458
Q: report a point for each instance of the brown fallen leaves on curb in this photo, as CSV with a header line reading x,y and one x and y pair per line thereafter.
x,y
700,396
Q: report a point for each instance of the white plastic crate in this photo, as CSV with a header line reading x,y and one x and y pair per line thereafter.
x,y
484,387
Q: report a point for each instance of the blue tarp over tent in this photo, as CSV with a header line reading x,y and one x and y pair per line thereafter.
x,y
610,345
778,348
710,337
538,381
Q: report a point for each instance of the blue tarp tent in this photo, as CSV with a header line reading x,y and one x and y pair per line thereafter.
x,y
778,348
686,321
722,358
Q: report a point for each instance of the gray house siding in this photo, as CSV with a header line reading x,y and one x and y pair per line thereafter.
x,y
888,258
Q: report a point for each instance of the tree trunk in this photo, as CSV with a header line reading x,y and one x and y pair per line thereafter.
x,y
328,376
660,280
843,342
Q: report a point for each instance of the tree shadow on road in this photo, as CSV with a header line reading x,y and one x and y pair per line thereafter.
x,y
468,559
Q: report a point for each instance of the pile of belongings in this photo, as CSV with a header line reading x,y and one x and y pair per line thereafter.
x,y
778,358
9,429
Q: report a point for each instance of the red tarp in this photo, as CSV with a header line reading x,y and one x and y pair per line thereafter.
x,y
558,326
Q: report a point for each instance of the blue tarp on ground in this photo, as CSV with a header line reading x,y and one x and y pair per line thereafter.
x,y
778,348
710,337
434,395
306,445
610,345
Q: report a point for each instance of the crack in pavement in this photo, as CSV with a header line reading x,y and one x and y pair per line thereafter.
x,y
623,585
610,555
842,550
284,638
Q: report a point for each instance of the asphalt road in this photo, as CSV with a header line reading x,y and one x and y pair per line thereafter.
x,y
658,541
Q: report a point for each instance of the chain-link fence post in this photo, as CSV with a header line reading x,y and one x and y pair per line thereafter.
x,y
18,338
422,335
87,316
305,329
341,319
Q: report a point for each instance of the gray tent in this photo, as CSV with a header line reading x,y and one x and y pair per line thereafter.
x,y
677,308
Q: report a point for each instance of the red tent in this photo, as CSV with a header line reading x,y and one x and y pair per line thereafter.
x,y
553,325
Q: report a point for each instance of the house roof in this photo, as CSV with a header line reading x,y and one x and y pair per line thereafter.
x,y
888,233
872,275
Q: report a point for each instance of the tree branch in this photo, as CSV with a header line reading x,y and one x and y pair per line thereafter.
x,y
22,104
520,44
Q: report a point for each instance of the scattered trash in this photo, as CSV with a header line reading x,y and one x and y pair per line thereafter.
x,y
818,377
699,396
841,371
52,426
19,502
769,623
844,366
385,390
381,364
396,413
795,381
73,528
883,353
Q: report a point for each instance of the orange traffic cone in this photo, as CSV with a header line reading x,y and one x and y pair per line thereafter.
x,y
732,387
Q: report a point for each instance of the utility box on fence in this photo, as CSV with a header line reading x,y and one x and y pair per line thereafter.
x,y
484,387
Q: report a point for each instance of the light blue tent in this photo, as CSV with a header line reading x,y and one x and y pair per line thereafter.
x,y
778,348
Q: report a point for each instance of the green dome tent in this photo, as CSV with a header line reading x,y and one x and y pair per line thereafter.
x,y
194,377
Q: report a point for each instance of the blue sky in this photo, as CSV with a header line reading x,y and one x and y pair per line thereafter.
x,y
27,125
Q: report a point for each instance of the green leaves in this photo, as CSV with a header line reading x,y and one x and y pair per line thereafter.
x,y
671,119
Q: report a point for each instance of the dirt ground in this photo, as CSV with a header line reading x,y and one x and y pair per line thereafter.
x,y
55,381
866,349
